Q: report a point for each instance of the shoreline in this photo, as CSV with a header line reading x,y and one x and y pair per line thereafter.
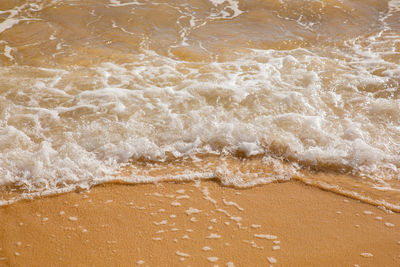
x,y
198,223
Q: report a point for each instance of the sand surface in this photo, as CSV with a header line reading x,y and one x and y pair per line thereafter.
x,y
198,224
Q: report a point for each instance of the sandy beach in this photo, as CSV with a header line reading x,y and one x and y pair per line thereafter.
x,y
198,224
210,133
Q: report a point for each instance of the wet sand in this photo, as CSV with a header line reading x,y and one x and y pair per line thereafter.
x,y
198,224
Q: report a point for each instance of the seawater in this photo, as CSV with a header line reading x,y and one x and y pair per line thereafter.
x,y
246,92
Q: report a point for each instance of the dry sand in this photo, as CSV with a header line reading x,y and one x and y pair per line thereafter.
x,y
198,224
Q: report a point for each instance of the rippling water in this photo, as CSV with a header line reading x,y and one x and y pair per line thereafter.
x,y
247,92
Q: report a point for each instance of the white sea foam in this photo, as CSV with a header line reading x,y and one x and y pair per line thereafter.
x,y
231,10
144,115
367,255
20,13
182,254
212,259
192,210
266,236
117,3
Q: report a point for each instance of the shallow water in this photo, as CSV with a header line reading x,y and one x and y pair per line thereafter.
x,y
247,92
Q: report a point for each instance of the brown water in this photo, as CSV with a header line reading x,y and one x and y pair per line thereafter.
x,y
247,92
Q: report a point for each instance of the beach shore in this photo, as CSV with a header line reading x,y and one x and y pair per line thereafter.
x,y
198,224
